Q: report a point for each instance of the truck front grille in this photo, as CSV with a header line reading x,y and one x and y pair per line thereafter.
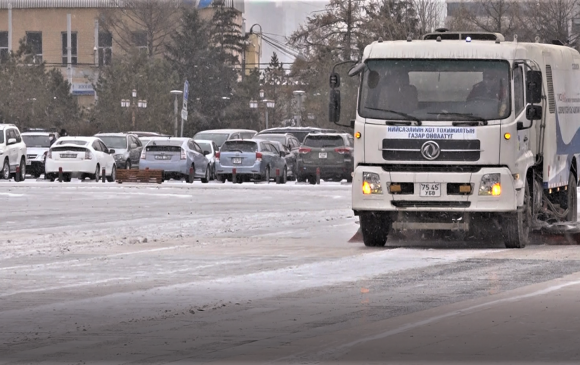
x,y
450,150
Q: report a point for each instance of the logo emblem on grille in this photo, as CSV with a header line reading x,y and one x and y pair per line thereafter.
x,y
430,150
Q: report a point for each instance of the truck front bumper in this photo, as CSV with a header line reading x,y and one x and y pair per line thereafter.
x,y
410,199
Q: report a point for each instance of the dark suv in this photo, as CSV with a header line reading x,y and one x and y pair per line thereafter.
x,y
331,152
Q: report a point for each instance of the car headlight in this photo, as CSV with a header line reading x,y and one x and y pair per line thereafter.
x,y
371,183
490,185
118,157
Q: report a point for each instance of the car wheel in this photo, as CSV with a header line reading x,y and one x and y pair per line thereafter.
x,y
113,176
191,175
21,174
267,175
6,170
128,165
284,175
205,179
97,175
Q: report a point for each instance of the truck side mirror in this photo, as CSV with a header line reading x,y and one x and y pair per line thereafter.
x,y
534,87
334,106
534,112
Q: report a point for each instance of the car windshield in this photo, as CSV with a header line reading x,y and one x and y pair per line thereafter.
x,y
36,141
322,141
72,141
411,89
218,138
270,137
114,142
240,146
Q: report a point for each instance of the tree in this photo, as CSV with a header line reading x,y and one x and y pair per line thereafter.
x,y
276,88
140,23
391,20
226,31
31,96
496,16
429,15
553,20
153,79
206,67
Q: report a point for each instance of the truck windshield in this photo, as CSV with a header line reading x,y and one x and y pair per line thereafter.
x,y
435,90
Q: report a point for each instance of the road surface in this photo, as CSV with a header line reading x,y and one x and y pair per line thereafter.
x,y
226,274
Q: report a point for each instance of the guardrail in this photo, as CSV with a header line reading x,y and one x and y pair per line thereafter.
x,y
140,176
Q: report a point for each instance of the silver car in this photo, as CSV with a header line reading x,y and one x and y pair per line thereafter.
x,y
252,160
211,147
177,157
127,148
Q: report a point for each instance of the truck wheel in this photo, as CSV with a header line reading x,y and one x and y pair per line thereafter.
x,y
516,226
569,200
375,228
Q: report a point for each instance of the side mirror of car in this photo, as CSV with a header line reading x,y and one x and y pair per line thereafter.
x,y
205,153
133,145
11,140
282,153
111,152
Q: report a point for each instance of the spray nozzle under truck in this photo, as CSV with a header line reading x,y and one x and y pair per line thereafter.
x,y
465,134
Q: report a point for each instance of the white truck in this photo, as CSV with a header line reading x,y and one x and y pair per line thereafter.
x,y
465,131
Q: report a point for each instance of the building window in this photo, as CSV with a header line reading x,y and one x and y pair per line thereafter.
x,y
140,41
3,46
105,48
34,41
73,45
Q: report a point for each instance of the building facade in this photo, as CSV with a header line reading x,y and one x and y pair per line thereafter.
x,y
48,26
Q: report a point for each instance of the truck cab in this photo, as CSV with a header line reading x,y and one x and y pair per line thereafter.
x,y
454,133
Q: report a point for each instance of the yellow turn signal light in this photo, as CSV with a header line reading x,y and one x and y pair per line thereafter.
x,y
496,189
358,135
465,189
507,136
366,188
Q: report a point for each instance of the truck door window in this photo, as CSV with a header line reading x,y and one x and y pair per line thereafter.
x,y
519,101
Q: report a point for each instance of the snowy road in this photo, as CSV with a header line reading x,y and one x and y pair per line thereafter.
x,y
211,273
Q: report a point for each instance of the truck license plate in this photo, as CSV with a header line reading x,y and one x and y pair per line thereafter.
x,y
237,160
322,155
431,189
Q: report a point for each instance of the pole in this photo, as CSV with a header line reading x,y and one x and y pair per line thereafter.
x,y
97,42
299,109
133,113
181,126
175,109
266,117
69,47
9,28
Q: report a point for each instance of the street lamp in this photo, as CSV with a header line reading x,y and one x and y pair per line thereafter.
x,y
177,93
125,103
270,104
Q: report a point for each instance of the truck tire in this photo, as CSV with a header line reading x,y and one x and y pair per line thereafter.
x,y
570,199
516,226
375,227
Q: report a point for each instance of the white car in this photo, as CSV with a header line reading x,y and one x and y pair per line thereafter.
x,y
85,156
12,153
211,147
37,145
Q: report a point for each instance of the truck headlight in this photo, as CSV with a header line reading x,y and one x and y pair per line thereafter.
x,y
490,185
371,183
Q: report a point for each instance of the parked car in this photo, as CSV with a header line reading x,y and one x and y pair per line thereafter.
x,y
177,157
291,146
85,156
331,152
290,159
127,148
299,132
211,148
12,153
147,134
253,160
37,145
219,136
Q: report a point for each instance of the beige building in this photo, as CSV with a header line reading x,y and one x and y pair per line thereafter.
x,y
44,26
